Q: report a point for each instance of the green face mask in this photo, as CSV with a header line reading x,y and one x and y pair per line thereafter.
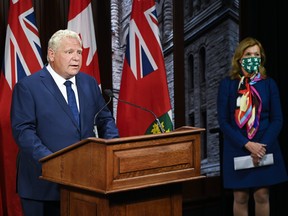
x,y
251,64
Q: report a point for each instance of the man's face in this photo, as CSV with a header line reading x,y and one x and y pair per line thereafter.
x,y
67,59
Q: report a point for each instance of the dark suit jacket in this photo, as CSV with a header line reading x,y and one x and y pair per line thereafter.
x,y
43,123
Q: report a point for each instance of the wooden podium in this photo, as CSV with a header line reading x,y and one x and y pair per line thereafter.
x,y
131,176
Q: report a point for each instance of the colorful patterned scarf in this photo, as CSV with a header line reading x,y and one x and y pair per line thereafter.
x,y
248,105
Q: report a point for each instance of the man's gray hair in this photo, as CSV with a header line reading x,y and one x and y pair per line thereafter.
x,y
56,38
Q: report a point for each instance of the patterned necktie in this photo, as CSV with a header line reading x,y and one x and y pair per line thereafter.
x,y
72,100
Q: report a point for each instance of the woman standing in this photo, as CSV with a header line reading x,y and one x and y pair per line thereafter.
x,y
250,117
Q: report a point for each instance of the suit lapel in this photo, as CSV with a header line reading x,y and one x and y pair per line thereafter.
x,y
81,97
50,84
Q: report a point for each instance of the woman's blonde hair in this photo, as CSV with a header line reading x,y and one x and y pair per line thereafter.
x,y
240,49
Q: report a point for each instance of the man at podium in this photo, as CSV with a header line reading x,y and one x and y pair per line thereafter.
x,y
52,109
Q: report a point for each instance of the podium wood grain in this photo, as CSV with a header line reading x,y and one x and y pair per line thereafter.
x,y
139,175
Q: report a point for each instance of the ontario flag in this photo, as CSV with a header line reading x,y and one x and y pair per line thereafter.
x,y
22,57
80,20
143,81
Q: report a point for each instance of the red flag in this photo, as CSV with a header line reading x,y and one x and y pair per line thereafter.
x,y
144,80
22,57
80,20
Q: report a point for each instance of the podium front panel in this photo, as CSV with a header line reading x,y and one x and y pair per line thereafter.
x,y
109,166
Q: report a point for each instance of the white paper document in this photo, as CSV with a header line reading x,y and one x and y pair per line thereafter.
x,y
246,162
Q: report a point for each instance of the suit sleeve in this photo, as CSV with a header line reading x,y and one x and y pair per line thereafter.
x,y
23,122
275,115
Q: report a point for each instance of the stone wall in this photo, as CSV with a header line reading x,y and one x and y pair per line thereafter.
x,y
211,27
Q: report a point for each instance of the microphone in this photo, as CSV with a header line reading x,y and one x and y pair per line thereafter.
x,y
95,126
110,94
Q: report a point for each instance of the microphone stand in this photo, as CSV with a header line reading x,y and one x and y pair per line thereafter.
x,y
95,125
109,93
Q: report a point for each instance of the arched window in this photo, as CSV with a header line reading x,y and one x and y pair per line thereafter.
x,y
203,124
190,72
191,7
202,65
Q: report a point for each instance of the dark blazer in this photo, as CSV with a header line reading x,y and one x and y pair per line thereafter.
x,y
43,123
271,122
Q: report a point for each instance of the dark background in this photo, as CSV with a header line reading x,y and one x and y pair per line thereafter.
x,y
265,20
268,22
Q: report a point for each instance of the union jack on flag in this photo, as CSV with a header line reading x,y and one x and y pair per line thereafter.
x,y
22,46
138,53
143,81
22,57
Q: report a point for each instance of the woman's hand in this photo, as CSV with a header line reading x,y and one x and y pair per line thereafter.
x,y
256,160
256,149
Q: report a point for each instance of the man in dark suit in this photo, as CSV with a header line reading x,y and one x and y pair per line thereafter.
x,y
43,123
